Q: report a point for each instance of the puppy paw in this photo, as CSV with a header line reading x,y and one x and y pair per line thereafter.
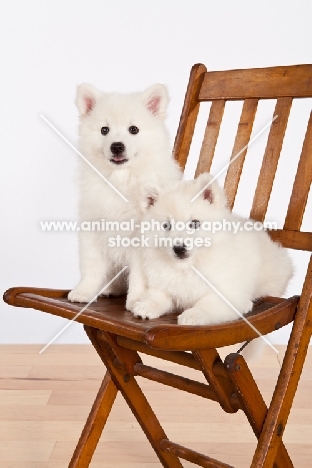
x,y
145,310
247,308
81,294
130,302
193,316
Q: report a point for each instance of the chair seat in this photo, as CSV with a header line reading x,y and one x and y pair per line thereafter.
x,y
109,314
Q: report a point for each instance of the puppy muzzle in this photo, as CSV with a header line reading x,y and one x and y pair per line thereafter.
x,y
180,251
118,149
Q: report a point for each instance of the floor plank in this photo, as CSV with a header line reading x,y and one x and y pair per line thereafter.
x,y
45,400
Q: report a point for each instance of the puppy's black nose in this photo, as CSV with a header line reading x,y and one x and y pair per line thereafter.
x,y
180,250
117,147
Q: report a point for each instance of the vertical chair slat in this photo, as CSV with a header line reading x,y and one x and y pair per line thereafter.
x,y
210,137
270,159
240,149
189,115
302,184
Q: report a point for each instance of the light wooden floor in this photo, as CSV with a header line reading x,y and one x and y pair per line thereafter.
x,y
45,399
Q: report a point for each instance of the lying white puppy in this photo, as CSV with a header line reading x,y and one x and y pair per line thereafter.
x,y
125,138
241,266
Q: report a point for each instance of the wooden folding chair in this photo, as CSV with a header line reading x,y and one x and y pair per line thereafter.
x,y
117,336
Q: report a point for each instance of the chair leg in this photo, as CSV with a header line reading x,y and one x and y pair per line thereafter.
x,y
210,361
94,424
125,382
288,379
252,402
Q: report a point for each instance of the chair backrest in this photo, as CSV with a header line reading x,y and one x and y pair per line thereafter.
x,y
251,85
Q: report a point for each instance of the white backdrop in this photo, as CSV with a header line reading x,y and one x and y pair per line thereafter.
x,y
47,48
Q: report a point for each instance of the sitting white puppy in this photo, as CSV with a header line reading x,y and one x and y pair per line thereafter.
x,y
125,138
238,267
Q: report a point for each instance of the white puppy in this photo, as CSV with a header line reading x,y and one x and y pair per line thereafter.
x,y
241,266
124,137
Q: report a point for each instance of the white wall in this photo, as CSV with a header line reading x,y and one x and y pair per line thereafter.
x,y
47,48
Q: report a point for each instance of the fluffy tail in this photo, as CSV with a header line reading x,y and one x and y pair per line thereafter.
x,y
254,350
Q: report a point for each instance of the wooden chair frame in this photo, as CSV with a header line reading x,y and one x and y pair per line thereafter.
x,y
117,336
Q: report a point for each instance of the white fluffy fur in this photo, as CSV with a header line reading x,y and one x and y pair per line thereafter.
x,y
148,161
242,266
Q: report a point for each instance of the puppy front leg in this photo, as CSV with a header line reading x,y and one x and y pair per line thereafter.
x,y
93,267
136,280
152,305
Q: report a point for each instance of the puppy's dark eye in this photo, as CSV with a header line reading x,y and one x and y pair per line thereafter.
x,y
133,130
166,226
195,224
104,130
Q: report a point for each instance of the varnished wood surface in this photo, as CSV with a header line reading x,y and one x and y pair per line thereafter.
x,y
210,137
270,159
240,149
45,400
251,85
288,379
188,115
302,184
258,83
109,314
292,239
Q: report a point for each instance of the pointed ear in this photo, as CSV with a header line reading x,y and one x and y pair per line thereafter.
x,y
203,181
151,200
150,196
156,99
86,97
208,195
212,192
